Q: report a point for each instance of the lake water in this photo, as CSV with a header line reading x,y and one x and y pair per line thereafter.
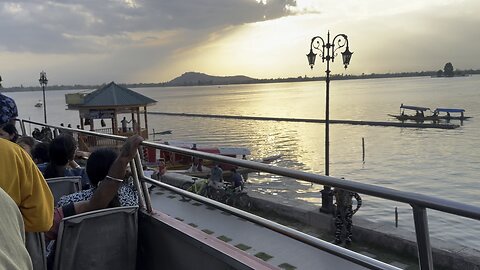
x,y
443,163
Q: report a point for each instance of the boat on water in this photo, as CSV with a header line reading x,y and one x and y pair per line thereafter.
x,y
446,113
193,170
165,232
176,161
422,114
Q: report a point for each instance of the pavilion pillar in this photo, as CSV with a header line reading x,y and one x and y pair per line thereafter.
x,y
139,129
145,117
114,122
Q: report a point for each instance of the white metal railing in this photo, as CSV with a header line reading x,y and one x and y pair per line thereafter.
x,y
418,202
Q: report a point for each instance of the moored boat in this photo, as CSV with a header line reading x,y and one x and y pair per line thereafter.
x,y
446,113
419,115
437,115
175,161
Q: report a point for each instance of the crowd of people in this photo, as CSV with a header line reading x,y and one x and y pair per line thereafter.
x,y
26,199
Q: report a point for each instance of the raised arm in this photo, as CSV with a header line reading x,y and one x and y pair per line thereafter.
x,y
108,188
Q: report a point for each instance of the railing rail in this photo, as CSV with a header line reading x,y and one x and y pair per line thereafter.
x,y
419,202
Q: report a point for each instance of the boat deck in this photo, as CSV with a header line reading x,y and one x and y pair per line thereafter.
x,y
274,248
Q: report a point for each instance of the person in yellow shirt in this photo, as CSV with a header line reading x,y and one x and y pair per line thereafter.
x,y
21,179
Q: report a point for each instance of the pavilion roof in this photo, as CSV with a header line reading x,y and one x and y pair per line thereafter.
x,y
114,95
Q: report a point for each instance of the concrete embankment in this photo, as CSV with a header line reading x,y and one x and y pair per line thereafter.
x,y
446,255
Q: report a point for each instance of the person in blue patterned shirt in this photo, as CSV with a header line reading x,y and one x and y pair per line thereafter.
x,y
97,168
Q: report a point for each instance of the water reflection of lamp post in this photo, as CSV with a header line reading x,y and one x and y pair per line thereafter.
x,y
43,82
328,53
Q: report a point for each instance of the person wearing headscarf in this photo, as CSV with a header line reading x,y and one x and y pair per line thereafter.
x,y
21,179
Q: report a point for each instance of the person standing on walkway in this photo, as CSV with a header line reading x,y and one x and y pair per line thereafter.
x,y
216,177
124,124
344,213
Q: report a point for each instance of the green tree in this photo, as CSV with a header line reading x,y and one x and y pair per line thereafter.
x,y
448,70
440,73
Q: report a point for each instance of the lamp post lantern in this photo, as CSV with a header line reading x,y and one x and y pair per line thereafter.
x,y
43,82
328,51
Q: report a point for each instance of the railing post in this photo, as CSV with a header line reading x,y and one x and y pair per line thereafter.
x,y
141,175
136,182
423,238
22,127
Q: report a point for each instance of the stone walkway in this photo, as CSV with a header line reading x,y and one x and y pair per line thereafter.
x,y
272,247
400,261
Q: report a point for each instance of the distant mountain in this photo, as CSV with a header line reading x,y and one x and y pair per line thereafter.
x,y
196,78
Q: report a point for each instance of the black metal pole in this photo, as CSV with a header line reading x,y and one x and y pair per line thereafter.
x,y
44,104
327,199
327,51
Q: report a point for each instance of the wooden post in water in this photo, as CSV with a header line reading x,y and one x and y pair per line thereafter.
x,y
396,217
363,149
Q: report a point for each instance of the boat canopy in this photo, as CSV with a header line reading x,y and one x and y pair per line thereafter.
x,y
449,110
226,150
230,151
415,108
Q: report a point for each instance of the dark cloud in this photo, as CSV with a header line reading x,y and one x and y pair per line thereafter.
x,y
93,26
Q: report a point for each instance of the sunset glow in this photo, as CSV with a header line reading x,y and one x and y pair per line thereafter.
x,y
155,41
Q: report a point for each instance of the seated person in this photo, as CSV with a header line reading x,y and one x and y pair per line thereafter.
x,y
62,151
9,132
27,143
20,177
40,154
104,194
237,179
13,254
97,168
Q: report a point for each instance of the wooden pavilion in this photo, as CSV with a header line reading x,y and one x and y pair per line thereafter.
x,y
106,104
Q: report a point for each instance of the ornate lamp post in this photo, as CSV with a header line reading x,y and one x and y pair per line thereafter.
x,y
43,82
328,52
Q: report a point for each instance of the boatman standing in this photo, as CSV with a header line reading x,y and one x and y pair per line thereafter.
x,y
344,213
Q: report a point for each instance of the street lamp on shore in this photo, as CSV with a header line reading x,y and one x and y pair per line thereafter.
x,y
328,51
43,82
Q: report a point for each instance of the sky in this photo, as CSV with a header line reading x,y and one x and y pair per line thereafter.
x,y
133,41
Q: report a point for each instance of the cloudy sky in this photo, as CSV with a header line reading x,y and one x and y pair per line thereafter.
x,y
92,41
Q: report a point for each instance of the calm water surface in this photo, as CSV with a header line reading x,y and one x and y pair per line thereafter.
x,y
443,163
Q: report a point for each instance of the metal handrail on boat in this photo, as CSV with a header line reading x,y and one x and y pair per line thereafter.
x,y
418,202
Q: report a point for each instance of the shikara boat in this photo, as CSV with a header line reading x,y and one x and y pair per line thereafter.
x,y
437,115
419,115
446,113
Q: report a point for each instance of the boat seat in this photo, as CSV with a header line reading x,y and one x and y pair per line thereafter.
x,y
102,239
35,244
64,185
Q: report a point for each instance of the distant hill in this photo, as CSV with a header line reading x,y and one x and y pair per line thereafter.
x,y
197,78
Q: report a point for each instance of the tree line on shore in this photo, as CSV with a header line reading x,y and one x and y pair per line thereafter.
x,y
204,79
